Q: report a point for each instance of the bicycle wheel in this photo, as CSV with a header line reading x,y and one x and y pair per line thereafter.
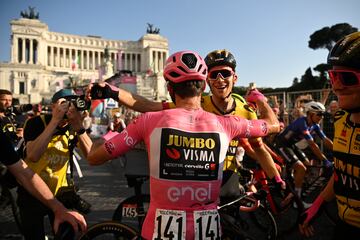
x,y
132,211
258,224
110,230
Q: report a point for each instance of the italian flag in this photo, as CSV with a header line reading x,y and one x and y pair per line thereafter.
x,y
76,63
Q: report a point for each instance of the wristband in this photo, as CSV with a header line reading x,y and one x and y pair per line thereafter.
x,y
312,211
81,131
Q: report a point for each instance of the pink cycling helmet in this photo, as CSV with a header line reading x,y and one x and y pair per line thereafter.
x,y
184,66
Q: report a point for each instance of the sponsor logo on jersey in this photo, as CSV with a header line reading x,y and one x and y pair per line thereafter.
x,y
110,147
196,155
199,194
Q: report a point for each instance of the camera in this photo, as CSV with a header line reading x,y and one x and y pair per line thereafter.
x,y
18,109
80,103
72,200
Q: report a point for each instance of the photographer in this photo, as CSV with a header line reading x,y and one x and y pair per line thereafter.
x,y
8,123
48,139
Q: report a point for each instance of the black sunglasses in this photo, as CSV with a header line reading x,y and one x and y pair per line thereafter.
x,y
224,73
320,114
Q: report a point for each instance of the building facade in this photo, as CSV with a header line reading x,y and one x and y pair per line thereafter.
x,y
43,61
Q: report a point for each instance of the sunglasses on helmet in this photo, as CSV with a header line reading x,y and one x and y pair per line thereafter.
x,y
224,73
347,78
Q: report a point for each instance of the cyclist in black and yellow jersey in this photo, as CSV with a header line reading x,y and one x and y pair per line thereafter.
x,y
344,59
221,80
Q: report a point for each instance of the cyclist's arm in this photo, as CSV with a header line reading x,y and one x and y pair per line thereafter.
x,y
316,150
266,162
267,114
328,143
328,193
118,143
137,102
37,187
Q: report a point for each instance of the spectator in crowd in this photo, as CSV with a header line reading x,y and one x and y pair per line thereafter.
x,y
87,121
49,143
37,188
117,124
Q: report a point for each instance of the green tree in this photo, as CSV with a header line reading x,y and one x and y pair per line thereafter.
x,y
328,36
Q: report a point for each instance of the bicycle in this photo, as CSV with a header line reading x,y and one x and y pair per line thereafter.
x,y
287,206
259,223
230,224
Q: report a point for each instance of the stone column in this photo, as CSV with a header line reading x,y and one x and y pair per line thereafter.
x,y
58,56
15,50
51,56
31,51
64,57
23,50
70,58
88,59
98,59
136,62
82,59
131,62
93,59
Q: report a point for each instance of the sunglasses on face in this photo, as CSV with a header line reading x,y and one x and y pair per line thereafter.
x,y
347,78
320,114
224,73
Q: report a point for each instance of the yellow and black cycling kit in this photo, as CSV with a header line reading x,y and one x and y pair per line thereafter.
x,y
347,168
241,109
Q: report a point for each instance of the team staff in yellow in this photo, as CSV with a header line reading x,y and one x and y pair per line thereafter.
x,y
221,80
344,185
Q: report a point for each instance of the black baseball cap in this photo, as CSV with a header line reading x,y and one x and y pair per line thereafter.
x,y
63,93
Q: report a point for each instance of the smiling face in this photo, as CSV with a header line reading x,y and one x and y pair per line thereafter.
x,y
221,80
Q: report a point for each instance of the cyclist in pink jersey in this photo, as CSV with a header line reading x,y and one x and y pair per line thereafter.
x,y
186,148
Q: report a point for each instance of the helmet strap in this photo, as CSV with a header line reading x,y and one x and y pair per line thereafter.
x,y
171,92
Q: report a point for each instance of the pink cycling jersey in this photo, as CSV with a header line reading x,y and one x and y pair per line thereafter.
x,y
186,149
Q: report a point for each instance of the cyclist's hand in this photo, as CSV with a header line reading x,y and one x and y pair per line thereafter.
x,y
305,227
280,183
327,163
254,95
76,220
102,91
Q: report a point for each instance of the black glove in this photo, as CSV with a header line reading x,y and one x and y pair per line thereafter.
x,y
98,92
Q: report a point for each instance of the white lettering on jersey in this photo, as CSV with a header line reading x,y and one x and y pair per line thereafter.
x,y
200,194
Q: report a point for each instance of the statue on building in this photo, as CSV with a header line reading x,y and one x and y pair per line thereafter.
x,y
109,68
151,29
31,14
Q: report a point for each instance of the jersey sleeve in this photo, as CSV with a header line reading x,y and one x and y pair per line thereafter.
x,y
240,127
304,129
9,156
128,138
319,132
255,142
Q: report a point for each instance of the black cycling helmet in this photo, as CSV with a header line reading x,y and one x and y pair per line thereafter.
x,y
346,52
220,57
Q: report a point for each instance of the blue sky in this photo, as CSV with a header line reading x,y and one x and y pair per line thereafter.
x,y
269,38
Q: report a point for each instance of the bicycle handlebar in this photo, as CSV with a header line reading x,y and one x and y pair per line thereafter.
x,y
252,197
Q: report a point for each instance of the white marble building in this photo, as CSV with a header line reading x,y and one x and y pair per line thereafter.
x,y
41,61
